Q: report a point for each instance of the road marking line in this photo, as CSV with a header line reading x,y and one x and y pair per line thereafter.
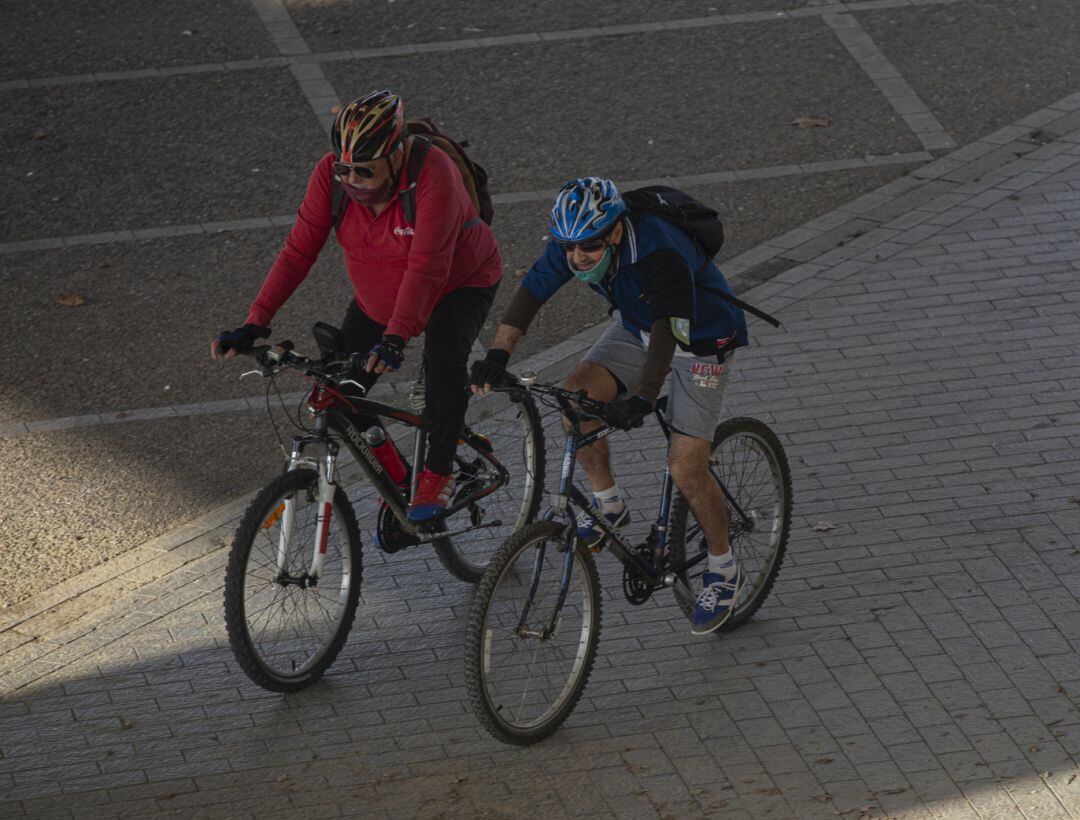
x,y
890,82
260,223
287,41
309,75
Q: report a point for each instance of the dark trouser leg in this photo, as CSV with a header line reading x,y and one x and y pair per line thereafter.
x,y
454,325
361,333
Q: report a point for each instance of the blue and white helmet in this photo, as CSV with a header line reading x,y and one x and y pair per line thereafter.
x,y
585,209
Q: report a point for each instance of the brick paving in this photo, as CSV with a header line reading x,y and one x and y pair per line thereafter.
x,y
918,658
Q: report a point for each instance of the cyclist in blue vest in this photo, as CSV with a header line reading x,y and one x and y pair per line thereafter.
x,y
662,292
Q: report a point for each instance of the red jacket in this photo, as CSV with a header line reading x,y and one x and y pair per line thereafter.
x,y
398,271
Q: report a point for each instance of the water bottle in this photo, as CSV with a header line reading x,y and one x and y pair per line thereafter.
x,y
387,453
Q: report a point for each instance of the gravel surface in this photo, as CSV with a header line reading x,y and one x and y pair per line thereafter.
x,y
154,152
44,38
349,25
739,80
1017,56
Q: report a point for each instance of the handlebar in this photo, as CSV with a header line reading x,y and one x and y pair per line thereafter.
x,y
272,358
578,400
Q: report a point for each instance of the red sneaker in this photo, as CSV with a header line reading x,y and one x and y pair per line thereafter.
x,y
433,493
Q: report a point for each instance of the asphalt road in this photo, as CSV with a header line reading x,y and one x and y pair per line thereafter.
x,y
182,137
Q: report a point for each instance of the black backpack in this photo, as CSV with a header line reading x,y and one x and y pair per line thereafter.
x,y
681,210
694,218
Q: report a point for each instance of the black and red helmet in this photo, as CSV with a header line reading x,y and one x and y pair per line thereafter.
x,y
369,128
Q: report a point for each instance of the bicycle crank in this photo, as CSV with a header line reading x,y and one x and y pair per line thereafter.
x,y
637,588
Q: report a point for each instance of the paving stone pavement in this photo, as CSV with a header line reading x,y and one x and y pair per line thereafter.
x,y
918,657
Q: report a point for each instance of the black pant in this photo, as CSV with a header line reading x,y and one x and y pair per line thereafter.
x,y
448,338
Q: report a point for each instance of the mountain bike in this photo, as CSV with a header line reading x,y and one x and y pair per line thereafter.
x,y
292,584
534,623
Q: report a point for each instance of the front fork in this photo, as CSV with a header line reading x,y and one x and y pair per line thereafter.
x,y
551,627
327,489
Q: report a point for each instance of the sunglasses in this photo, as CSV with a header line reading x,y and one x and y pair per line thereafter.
x,y
590,246
343,169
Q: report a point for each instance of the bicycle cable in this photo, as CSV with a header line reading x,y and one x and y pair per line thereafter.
x,y
273,385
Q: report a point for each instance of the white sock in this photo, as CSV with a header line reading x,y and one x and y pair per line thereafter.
x,y
722,564
609,500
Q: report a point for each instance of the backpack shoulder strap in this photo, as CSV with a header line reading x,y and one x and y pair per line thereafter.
x,y
338,201
418,151
739,303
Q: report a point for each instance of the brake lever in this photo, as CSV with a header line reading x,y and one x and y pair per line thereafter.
x,y
353,382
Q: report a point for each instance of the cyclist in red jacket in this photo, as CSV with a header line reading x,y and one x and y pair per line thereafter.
x,y
437,274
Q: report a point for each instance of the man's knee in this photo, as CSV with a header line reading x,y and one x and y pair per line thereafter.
x,y
688,462
595,379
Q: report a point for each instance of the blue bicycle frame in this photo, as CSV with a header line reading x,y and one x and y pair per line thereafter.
x,y
655,572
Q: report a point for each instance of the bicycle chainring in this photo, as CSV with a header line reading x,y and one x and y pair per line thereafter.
x,y
389,536
636,588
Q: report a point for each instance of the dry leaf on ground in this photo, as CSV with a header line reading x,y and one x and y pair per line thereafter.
x,y
810,122
71,300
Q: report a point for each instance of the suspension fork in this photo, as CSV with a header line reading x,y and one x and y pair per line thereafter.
x,y
327,489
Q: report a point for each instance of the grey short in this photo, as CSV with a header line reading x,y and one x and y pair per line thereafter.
x,y
696,385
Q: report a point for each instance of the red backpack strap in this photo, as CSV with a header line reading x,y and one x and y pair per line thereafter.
x,y
418,151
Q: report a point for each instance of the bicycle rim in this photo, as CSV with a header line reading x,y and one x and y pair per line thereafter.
x,y
525,682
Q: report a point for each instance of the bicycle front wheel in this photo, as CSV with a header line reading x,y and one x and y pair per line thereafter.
x,y
511,423
750,462
285,625
527,659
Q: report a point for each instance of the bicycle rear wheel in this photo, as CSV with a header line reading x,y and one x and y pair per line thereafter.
x,y
750,462
525,669
511,423
286,627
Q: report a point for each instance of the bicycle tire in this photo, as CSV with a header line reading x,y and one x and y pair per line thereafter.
x,y
255,592
754,435
466,557
493,709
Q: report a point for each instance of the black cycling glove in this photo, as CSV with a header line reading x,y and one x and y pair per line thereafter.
x,y
242,339
390,351
491,369
627,412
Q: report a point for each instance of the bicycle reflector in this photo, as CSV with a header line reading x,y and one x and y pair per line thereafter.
x,y
274,516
